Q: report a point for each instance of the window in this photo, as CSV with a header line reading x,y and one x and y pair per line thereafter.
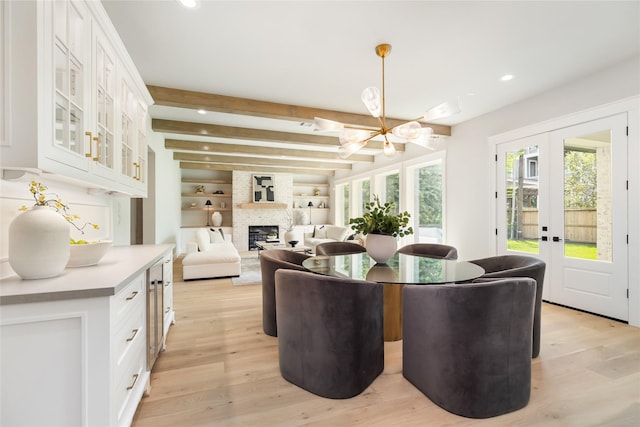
x,y
361,195
390,189
426,206
342,204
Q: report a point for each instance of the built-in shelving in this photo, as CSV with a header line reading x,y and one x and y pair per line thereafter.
x,y
193,203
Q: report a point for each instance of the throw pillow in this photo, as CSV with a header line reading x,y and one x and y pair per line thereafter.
x,y
320,232
216,236
203,240
337,232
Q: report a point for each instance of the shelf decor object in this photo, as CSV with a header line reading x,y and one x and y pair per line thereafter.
x,y
208,204
353,138
310,205
216,219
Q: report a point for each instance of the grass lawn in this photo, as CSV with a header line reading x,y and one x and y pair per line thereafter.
x,y
572,250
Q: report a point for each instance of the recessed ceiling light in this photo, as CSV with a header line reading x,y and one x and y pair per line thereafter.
x,y
189,4
201,111
506,77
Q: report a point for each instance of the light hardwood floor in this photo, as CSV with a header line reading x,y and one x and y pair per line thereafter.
x,y
220,369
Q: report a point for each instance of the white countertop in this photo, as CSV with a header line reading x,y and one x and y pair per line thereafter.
x,y
119,265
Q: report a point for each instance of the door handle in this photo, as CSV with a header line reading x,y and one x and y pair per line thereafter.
x,y
556,239
544,238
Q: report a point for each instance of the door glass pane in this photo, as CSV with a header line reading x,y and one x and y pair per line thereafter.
x,y
588,215
521,199
428,203
61,132
60,59
76,133
391,192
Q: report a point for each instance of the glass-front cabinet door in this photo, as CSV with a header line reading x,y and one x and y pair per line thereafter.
x,y
71,67
104,95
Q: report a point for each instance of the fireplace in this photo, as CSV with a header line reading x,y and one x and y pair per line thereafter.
x,y
260,232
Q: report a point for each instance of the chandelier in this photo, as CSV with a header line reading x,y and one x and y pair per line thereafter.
x,y
353,138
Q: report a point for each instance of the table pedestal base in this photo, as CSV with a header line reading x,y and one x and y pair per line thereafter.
x,y
392,295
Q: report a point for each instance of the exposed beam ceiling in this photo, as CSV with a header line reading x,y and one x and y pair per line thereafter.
x,y
276,65
249,107
260,147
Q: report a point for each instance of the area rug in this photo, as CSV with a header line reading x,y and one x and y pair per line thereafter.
x,y
249,272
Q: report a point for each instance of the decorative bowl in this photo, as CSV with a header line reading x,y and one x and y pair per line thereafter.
x,y
293,243
84,255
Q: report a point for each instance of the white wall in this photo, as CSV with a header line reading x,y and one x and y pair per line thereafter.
x,y
470,159
167,201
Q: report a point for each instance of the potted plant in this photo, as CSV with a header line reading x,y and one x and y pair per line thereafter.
x,y
382,228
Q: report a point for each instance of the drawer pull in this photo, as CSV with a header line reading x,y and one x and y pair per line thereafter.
x,y
133,295
135,378
133,335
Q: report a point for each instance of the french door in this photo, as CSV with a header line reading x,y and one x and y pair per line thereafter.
x,y
562,197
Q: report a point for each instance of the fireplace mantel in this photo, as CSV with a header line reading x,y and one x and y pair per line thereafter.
x,y
262,205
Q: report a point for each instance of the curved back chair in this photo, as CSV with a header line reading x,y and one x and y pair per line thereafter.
x,y
431,250
519,266
270,261
339,248
330,332
467,347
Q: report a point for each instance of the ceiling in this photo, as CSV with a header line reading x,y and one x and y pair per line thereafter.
x,y
264,69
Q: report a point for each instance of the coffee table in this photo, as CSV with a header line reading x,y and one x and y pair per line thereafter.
x,y
264,245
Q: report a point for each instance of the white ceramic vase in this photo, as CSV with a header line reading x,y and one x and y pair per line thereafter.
x,y
39,243
216,219
381,247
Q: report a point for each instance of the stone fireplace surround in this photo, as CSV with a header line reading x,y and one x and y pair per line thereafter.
x,y
243,217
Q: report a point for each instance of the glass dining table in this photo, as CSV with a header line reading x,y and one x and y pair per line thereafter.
x,y
400,270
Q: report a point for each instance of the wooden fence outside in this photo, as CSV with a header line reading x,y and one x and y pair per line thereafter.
x,y
580,225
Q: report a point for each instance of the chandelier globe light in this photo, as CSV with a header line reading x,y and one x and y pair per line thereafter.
x,y
354,138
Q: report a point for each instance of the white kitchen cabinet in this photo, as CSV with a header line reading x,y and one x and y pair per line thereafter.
x,y
73,347
66,67
169,312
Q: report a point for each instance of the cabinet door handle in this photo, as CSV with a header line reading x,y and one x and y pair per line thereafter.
x,y
90,153
132,296
97,140
135,379
133,335
137,172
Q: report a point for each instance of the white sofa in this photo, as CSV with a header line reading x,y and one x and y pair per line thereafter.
x,y
324,234
211,255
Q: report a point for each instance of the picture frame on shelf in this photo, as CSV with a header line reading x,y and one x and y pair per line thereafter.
x,y
263,188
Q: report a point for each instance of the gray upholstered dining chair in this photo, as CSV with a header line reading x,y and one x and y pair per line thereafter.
x,y
432,250
330,332
339,248
519,266
270,261
467,347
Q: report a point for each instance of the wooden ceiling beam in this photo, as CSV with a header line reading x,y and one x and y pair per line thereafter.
x,y
213,147
230,132
266,169
250,107
262,161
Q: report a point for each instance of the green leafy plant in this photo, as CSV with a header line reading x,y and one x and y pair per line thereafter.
x,y
380,220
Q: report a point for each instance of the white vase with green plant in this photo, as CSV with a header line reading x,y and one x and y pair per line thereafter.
x,y
382,228
39,238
